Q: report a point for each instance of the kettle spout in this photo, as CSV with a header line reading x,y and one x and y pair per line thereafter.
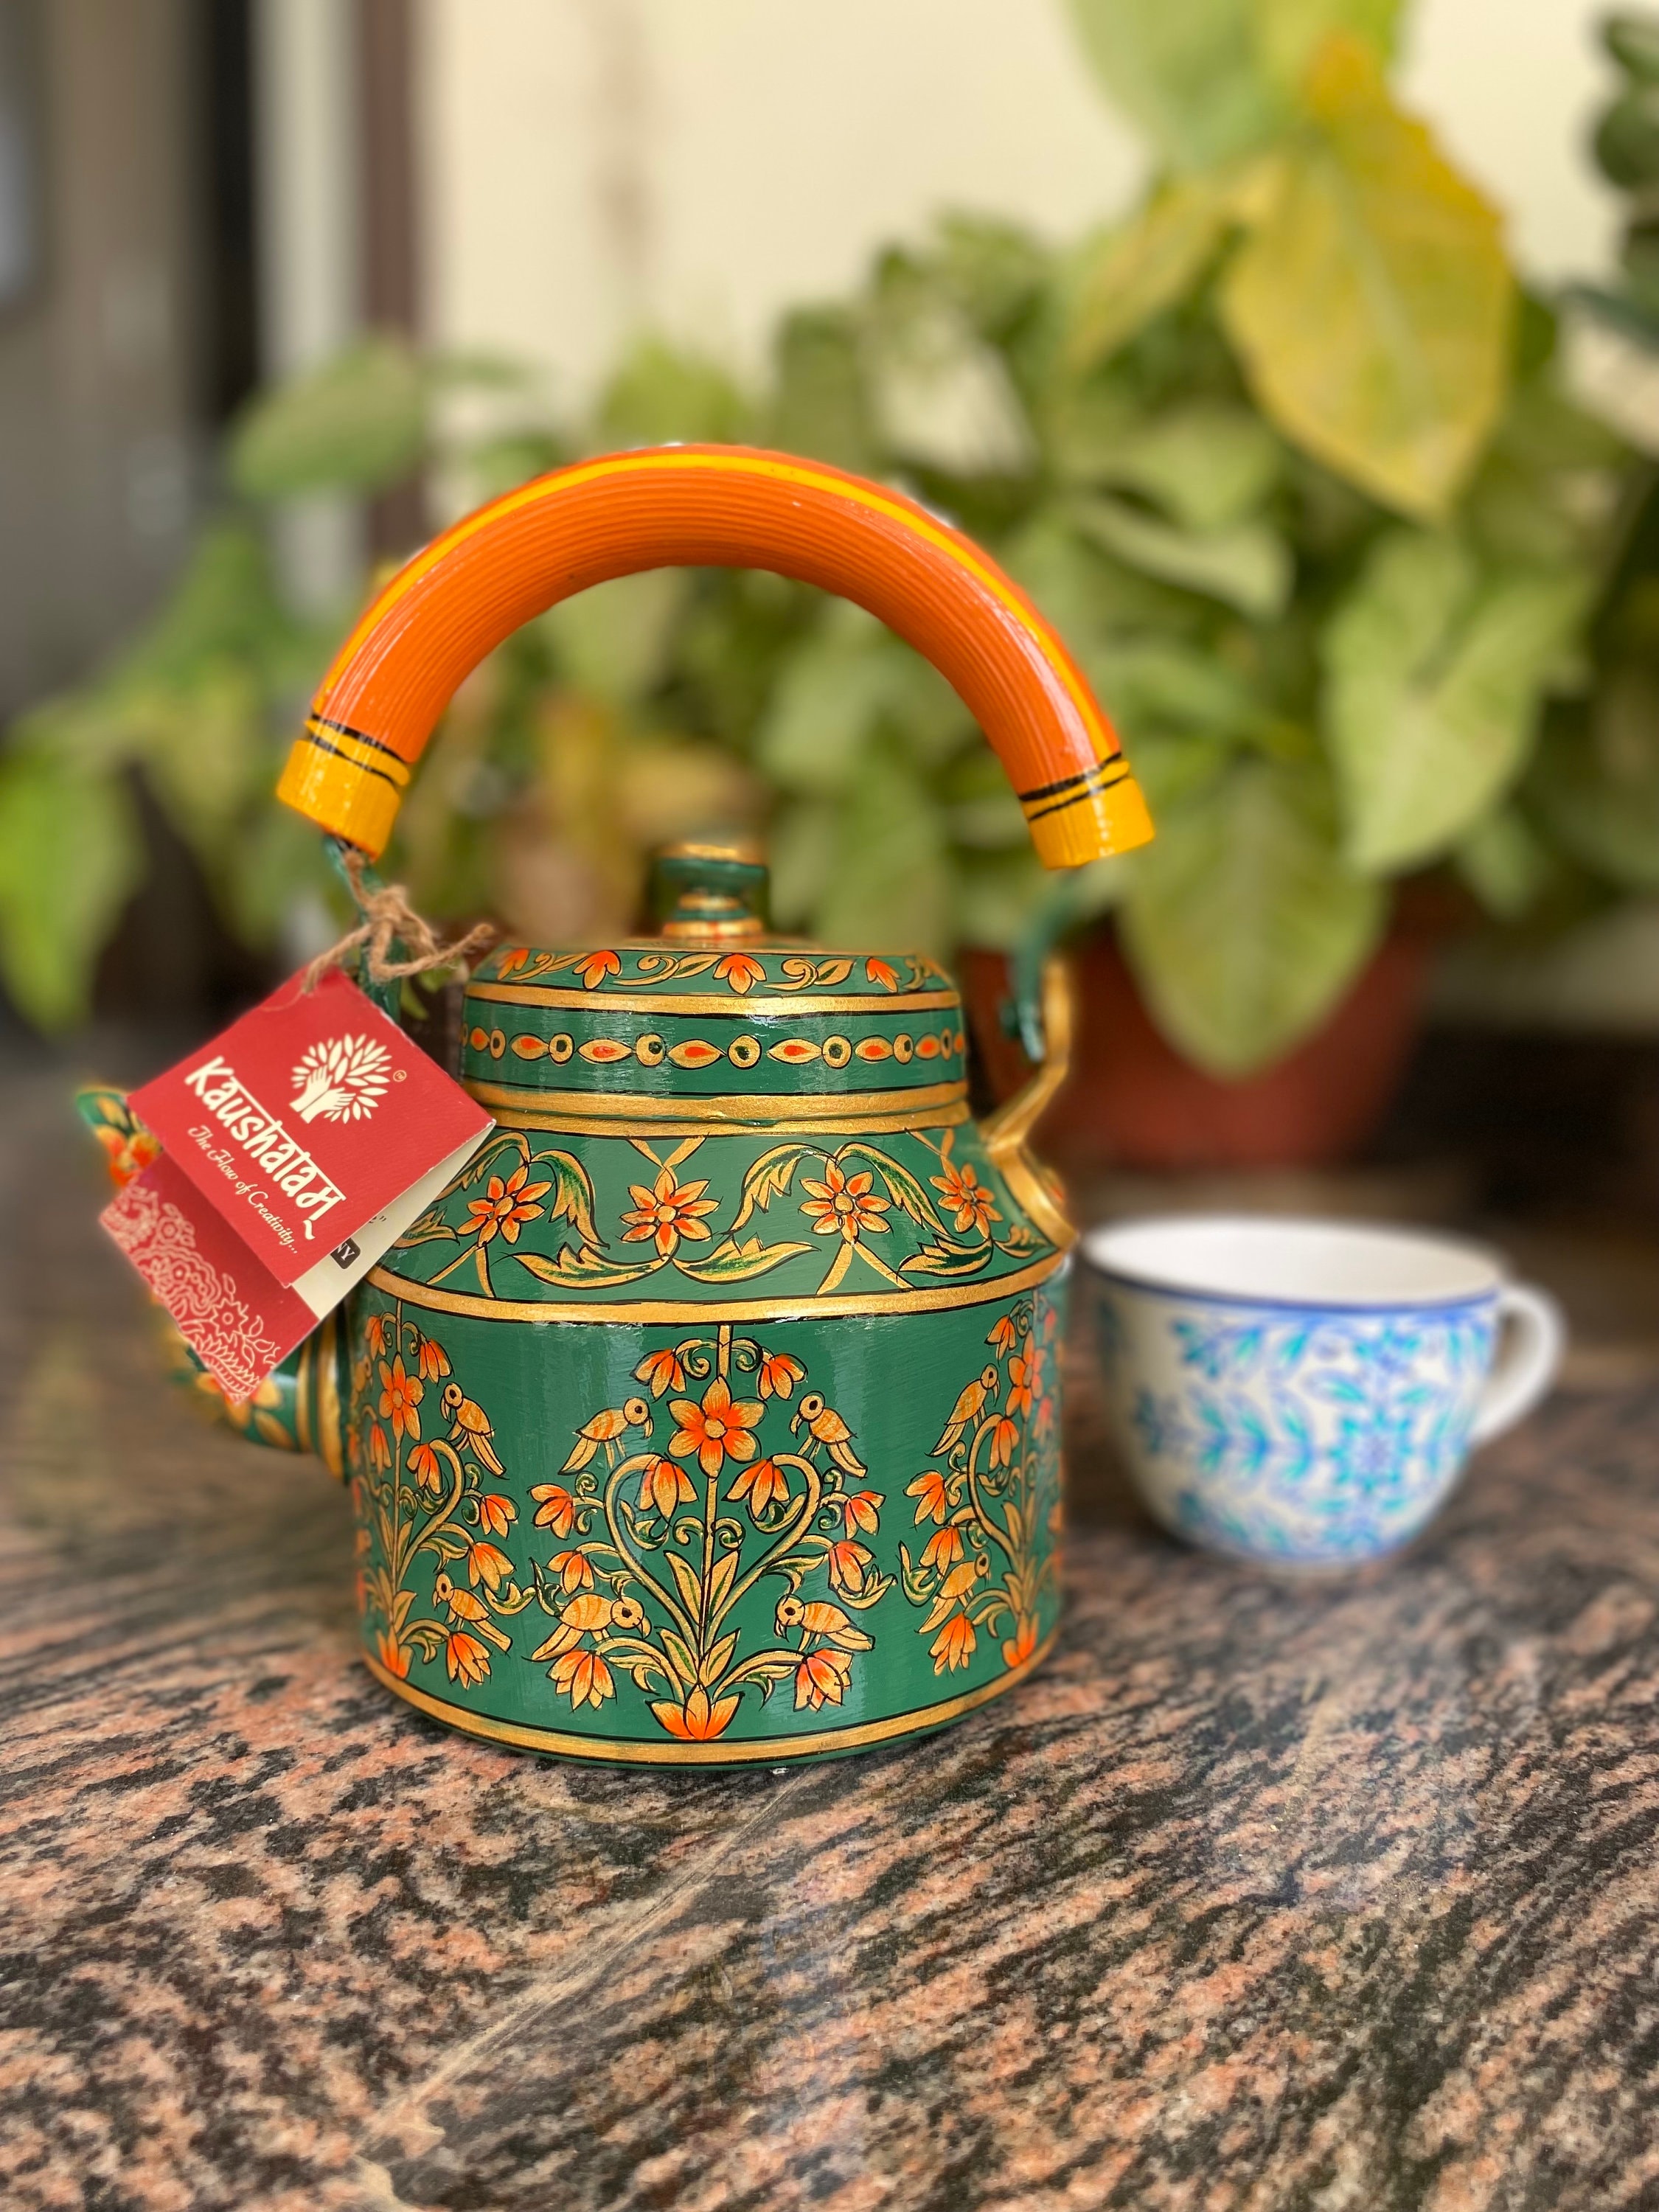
x,y
298,1407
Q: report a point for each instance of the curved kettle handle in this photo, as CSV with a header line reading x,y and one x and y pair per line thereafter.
x,y
720,507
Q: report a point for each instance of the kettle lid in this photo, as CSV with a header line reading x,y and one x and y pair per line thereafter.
x,y
718,1016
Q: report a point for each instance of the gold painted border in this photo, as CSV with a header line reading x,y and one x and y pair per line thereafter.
x,y
769,1109
802,1307
854,1124
632,1750
705,1003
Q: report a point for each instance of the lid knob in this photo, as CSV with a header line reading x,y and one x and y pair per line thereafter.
x,y
710,890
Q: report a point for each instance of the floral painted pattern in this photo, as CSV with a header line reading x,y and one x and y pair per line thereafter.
x,y
430,1497
673,1508
989,1505
1299,1435
857,1204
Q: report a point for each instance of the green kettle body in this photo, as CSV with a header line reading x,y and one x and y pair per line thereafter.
x,y
711,1415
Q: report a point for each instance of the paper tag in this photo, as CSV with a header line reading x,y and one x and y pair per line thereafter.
x,y
296,1148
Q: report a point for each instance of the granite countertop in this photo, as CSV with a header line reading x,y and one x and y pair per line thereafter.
x,y
1259,1895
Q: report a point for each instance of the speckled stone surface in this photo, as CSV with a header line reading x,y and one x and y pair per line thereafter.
x,y
1260,1895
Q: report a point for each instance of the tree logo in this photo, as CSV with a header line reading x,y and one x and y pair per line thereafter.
x,y
341,1079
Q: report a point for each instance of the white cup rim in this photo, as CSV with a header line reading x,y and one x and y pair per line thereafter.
x,y
1315,1267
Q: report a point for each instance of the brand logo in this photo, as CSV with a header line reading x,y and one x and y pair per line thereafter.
x,y
341,1079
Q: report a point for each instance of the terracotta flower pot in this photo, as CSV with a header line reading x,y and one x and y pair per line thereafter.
x,y
1132,1101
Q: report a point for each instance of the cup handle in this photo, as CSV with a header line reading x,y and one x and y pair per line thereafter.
x,y
1526,1365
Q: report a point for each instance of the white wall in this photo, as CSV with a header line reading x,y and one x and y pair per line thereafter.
x,y
593,165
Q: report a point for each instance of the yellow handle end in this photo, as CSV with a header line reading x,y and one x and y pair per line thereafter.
x,y
1091,821
349,798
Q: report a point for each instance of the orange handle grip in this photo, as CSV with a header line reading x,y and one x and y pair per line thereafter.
x,y
721,507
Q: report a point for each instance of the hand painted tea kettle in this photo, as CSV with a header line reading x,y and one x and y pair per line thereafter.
x,y
710,1416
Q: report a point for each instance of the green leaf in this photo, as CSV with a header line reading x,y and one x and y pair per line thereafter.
x,y
1597,788
571,1198
1241,922
1248,565
357,424
767,1178
1372,303
939,395
1136,270
996,272
891,888
1435,675
997,894
732,1262
662,393
1504,863
615,640
1207,466
1188,72
70,854
586,1269
1290,32
847,682
820,408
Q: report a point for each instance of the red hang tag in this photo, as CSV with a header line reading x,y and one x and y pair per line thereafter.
x,y
297,1148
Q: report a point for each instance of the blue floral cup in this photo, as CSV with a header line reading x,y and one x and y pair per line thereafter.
x,y
1305,1393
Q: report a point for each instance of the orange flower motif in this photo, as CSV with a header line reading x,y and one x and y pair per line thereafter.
x,y
943,1548
400,1394
843,1203
1003,1437
953,1646
374,1334
467,1659
510,962
393,1656
1019,1383
380,1448
432,1359
596,966
860,1511
662,1371
1045,1416
966,1198
821,1679
715,1431
934,1499
667,1211
847,1562
584,1678
486,1563
504,1205
1025,1642
496,1512
1004,1336
740,972
879,971
697,1720
664,1486
573,1570
779,1375
556,1509
426,1467
764,1484
353,1448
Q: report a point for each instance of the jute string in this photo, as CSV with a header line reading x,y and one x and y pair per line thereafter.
x,y
387,914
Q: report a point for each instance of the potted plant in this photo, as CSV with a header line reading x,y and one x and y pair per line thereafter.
x,y
1285,455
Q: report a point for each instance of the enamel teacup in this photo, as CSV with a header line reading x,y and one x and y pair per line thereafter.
x,y
1306,1393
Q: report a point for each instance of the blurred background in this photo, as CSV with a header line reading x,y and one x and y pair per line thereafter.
x,y
1298,355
